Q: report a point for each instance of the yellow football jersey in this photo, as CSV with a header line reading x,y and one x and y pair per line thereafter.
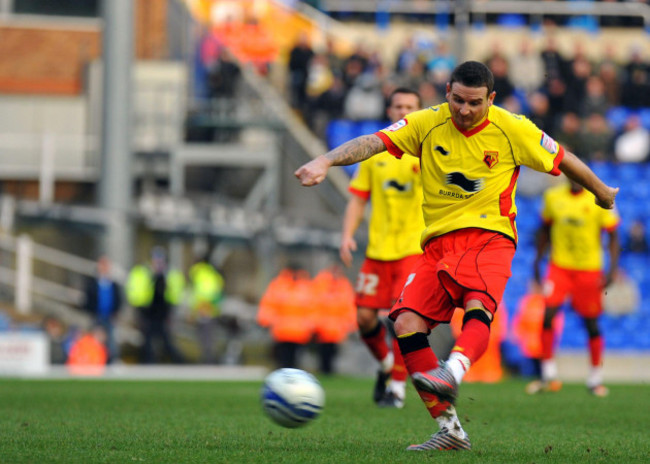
x,y
394,188
576,226
470,177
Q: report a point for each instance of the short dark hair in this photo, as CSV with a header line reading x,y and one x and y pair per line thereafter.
x,y
407,91
473,74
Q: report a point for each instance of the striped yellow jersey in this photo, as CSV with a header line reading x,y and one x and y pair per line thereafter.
x,y
576,228
469,177
394,189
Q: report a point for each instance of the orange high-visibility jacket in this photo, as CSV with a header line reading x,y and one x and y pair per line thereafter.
x,y
286,307
87,356
528,322
335,312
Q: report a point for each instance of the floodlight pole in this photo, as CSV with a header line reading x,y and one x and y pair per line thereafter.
x,y
116,181
461,15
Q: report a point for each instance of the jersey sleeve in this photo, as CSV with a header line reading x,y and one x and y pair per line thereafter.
x,y
610,219
534,148
405,136
360,182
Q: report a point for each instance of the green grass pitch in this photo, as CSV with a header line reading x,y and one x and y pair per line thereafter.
x,y
101,421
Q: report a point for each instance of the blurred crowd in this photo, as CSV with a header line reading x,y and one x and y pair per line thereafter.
x,y
568,97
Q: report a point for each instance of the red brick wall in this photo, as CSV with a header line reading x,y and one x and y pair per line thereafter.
x,y
51,60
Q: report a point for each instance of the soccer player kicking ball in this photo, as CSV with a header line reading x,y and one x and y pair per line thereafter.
x,y
470,155
572,226
394,189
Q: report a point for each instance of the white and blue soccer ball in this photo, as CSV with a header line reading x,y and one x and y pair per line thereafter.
x,y
292,397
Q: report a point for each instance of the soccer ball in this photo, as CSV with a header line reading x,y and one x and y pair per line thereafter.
x,y
292,397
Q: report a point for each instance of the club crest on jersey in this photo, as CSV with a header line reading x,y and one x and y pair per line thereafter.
x,y
397,126
549,144
491,158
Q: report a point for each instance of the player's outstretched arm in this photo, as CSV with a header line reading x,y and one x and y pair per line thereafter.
x,y
578,171
351,220
354,151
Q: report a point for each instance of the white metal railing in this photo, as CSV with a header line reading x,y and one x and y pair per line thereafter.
x,y
26,285
532,7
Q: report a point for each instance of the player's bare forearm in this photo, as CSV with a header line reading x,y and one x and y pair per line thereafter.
x,y
356,150
351,152
579,172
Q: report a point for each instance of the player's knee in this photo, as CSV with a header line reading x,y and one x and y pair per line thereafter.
x,y
478,314
367,321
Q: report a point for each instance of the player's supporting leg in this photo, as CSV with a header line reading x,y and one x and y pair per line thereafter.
x,y
373,334
595,378
549,381
396,389
418,356
470,346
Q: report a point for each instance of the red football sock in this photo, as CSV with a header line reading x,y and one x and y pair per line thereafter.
x,y
596,350
547,343
399,368
473,340
375,340
419,357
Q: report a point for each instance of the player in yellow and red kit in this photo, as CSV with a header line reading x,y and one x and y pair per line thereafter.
x,y
470,154
572,227
393,188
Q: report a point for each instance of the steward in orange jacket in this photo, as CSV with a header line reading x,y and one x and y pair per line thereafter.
x,y
335,313
286,309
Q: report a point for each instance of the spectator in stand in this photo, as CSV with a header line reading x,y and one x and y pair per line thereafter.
x,y
554,63
540,112
498,64
407,56
569,133
610,74
637,241
429,95
527,68
58,337
327,106
576,83
636,85
364,101
633,144
597,138
440,66
334,58
299,59
103,300
595,100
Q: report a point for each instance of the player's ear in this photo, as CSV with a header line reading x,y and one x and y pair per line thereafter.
x,y
491,98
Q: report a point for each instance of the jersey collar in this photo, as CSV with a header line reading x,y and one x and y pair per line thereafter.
x,y
474,130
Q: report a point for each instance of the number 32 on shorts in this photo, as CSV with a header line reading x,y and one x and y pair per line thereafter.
x,y
367,284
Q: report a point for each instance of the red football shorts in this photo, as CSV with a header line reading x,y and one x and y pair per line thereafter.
x,y
457,267
380,282
584,287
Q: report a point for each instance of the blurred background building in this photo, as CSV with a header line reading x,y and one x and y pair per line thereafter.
x,y
128,125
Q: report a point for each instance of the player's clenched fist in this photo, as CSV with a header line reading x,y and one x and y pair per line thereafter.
x,y
313,172
607,201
